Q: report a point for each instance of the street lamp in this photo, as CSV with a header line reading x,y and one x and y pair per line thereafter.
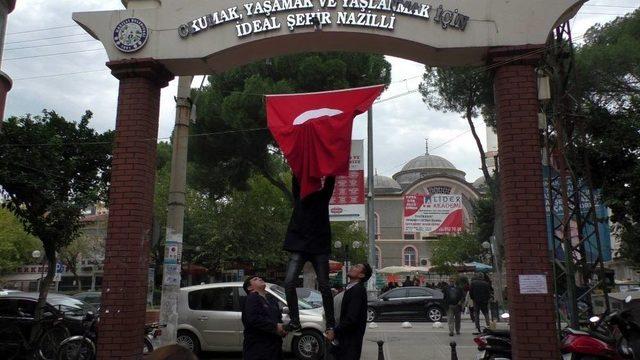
x,y
345,247
36,255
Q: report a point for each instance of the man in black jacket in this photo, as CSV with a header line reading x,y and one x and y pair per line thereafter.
x,y
348,335
480,293
262,320
453,298
308,238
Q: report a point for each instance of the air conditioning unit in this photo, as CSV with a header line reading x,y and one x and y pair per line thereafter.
x,y
424,262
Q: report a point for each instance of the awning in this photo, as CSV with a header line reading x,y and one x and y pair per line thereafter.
x,y
404,270
22,277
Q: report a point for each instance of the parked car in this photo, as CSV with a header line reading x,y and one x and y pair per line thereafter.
x,y
407,303
90,297
210,319
311,296
17,318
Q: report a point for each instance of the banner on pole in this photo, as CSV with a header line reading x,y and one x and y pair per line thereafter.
x,y
436,214
347,203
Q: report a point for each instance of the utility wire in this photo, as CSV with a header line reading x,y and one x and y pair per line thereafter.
x,y
46,38
41,29
54,54
49,45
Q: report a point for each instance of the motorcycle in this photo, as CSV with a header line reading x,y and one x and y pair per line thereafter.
x,y
612,336
494,344
83,347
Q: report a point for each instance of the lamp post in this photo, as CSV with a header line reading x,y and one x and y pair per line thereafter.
x,y
36,255
345,247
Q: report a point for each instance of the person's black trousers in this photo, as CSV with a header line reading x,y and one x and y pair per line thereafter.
x,y
320,264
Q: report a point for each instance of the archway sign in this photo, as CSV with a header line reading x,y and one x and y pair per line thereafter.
x,y
154,40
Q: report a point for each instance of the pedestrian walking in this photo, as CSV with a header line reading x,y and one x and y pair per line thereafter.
x,y
407,282
348,335
262,321
480,293
453,300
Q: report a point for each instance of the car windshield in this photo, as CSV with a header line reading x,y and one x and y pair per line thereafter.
x,y
278,290
70,306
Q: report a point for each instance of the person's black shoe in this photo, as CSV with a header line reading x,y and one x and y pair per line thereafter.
x,y
457,332
450,334
292,327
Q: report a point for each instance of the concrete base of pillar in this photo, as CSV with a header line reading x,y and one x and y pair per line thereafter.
x,y
5,86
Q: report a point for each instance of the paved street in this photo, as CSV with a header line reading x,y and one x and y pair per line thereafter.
x,y
421,342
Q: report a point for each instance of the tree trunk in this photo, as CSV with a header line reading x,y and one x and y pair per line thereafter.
x,y
483,158
45,284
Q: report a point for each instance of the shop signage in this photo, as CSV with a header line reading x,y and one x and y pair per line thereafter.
x,y
264,16
347,203
435,214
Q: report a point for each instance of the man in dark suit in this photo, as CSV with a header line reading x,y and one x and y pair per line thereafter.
x,y
262,320
480,292
348,334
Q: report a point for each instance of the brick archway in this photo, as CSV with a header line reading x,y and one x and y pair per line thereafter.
x,y
504,48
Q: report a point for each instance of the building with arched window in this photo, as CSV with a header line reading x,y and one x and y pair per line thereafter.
x,y
424,175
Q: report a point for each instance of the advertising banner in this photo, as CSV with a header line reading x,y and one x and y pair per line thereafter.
x,y
436,214
347,203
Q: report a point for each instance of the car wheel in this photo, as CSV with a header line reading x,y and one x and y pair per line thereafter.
x,y
371,314
308,346
434,314
188,340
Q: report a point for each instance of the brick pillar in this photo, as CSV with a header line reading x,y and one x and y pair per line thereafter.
x,y
532,317
124,285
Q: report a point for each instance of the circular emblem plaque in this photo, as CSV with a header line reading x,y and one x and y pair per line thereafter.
x,y
130,35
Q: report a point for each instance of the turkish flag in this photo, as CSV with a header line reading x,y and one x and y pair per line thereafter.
x,y
314,131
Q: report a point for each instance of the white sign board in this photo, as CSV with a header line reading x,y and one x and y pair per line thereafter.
x,y
533,284
347,203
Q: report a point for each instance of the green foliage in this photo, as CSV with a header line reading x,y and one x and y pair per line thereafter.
x,y
47,178
465,90
608,64
484,214
232,108
607,88
348,233
452,250
16,245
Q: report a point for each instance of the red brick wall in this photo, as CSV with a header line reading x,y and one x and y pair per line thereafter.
x,y
130,210
532,316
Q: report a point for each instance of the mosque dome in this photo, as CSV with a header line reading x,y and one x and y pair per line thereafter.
x,y
428,162
480,184
385,185
424,166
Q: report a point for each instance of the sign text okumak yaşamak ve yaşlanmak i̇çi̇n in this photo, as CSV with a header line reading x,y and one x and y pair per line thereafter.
x,y
262,16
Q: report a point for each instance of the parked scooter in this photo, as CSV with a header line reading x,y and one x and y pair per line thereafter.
x,y
494,344
611,336
83,347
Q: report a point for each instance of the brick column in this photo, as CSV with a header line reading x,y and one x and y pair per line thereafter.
x,y
124,285
532,318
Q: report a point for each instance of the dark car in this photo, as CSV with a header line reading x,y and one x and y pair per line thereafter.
x,y
90,297
407,303
18,309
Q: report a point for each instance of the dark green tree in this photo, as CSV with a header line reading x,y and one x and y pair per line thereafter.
x,y
604,126
50,170
16,245
231,111
452,250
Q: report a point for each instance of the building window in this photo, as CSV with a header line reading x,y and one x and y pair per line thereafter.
x,y
378,258
409,256
409,236
377,225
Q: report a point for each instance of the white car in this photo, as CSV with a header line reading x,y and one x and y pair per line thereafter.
x,y
210,319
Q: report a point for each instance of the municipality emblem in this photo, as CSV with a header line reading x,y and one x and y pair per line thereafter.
x,y
130,35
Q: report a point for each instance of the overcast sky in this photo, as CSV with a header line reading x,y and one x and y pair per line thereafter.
x,y
401,124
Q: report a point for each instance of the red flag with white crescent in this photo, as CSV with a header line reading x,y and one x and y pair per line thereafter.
x,y
314,130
